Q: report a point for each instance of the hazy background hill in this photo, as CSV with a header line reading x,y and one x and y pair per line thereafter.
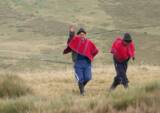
x,y
33,33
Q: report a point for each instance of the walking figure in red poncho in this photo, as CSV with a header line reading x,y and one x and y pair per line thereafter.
x,y
83,51
123,50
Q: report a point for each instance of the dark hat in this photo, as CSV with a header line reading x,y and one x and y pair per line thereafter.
x,y
81,30
127,37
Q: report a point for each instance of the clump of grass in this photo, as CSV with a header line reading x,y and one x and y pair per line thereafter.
x,y
64,100
133,97
12,86
152,86
92,104
103,105
122,102
18,105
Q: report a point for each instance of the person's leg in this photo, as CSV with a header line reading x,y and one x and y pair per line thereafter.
x,y
125,79
125,82
80,78
125,85
121,77
116,80
114,84
124,66
125,63
87,74
81,88
115,64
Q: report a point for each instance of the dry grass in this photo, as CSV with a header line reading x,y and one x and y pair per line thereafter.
x,y
57,92
57,88
33,36
12,86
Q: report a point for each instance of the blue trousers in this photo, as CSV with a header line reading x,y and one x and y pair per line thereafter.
x,y
83,72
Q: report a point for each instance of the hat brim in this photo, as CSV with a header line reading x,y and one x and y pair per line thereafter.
x,y
81,32
128,41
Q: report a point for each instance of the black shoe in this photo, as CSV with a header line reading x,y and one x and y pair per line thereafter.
x,y
81,88
125,86
111,89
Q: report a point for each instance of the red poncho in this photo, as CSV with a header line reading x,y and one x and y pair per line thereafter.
x,y
122,51
82,46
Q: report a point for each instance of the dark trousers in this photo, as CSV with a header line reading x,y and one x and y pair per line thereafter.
x,y
121,76
83,73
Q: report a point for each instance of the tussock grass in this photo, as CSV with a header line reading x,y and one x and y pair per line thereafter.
x,y
12,86
135,96
56,92
33,36
135,99
14,95
19,105
152,86
60,94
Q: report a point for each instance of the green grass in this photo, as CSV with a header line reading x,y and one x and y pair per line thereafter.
x,y
145,97
19,105
14,95
136,96
152,86
34,34
12,86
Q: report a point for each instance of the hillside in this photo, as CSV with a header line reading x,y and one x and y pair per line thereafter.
x,y
35,31
37,78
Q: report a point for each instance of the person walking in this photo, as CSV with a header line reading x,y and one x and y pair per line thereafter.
x,y
123,50
85,51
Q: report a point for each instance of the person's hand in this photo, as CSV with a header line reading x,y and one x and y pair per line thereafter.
x,y
72,28
67,50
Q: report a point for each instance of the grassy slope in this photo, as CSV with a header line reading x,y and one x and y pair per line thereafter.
x,y
33,34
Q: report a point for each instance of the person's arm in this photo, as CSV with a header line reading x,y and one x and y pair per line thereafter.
x,y
95,50
113,48
71,33
67,50
115,44
132,50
